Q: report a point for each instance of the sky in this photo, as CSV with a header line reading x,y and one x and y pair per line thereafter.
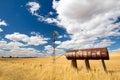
x,y
26,26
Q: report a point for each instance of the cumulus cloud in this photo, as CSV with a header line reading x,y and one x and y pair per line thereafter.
x,y
32,40
89,23
49,50
57,42
17,37
2,23
34,6
37,40
25,52
51,13
1,30
16,49
9,45
84,9
18,45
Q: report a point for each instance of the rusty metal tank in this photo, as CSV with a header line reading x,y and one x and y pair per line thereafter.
x,y
93,54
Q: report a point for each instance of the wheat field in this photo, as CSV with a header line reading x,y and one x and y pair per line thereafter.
x,y
44,69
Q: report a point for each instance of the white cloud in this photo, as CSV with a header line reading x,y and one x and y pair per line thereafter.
x,y
13,45
51,13
84,9
35,33
60,36
87,21
25,52
1,30
19,45
3,44
104,43
65,36
37,40
49,50
17,49
49,20
32,40
55,4
17,37
3,23
58,42
34,6
9,45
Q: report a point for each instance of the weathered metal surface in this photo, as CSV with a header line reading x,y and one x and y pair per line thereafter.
x,y
93,53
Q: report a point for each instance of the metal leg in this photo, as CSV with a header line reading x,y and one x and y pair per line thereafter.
x,y
87,64
74,63
103,65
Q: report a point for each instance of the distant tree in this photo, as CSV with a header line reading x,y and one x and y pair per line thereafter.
x,y
10,56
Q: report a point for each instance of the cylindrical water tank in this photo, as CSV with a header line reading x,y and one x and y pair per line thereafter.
x,y
93,53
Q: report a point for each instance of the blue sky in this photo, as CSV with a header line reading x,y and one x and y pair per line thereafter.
x,y
26,26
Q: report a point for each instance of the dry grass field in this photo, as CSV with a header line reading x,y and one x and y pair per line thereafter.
x,y
44,69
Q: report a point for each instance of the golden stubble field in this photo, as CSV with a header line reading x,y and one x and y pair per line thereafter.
x,y
44,69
